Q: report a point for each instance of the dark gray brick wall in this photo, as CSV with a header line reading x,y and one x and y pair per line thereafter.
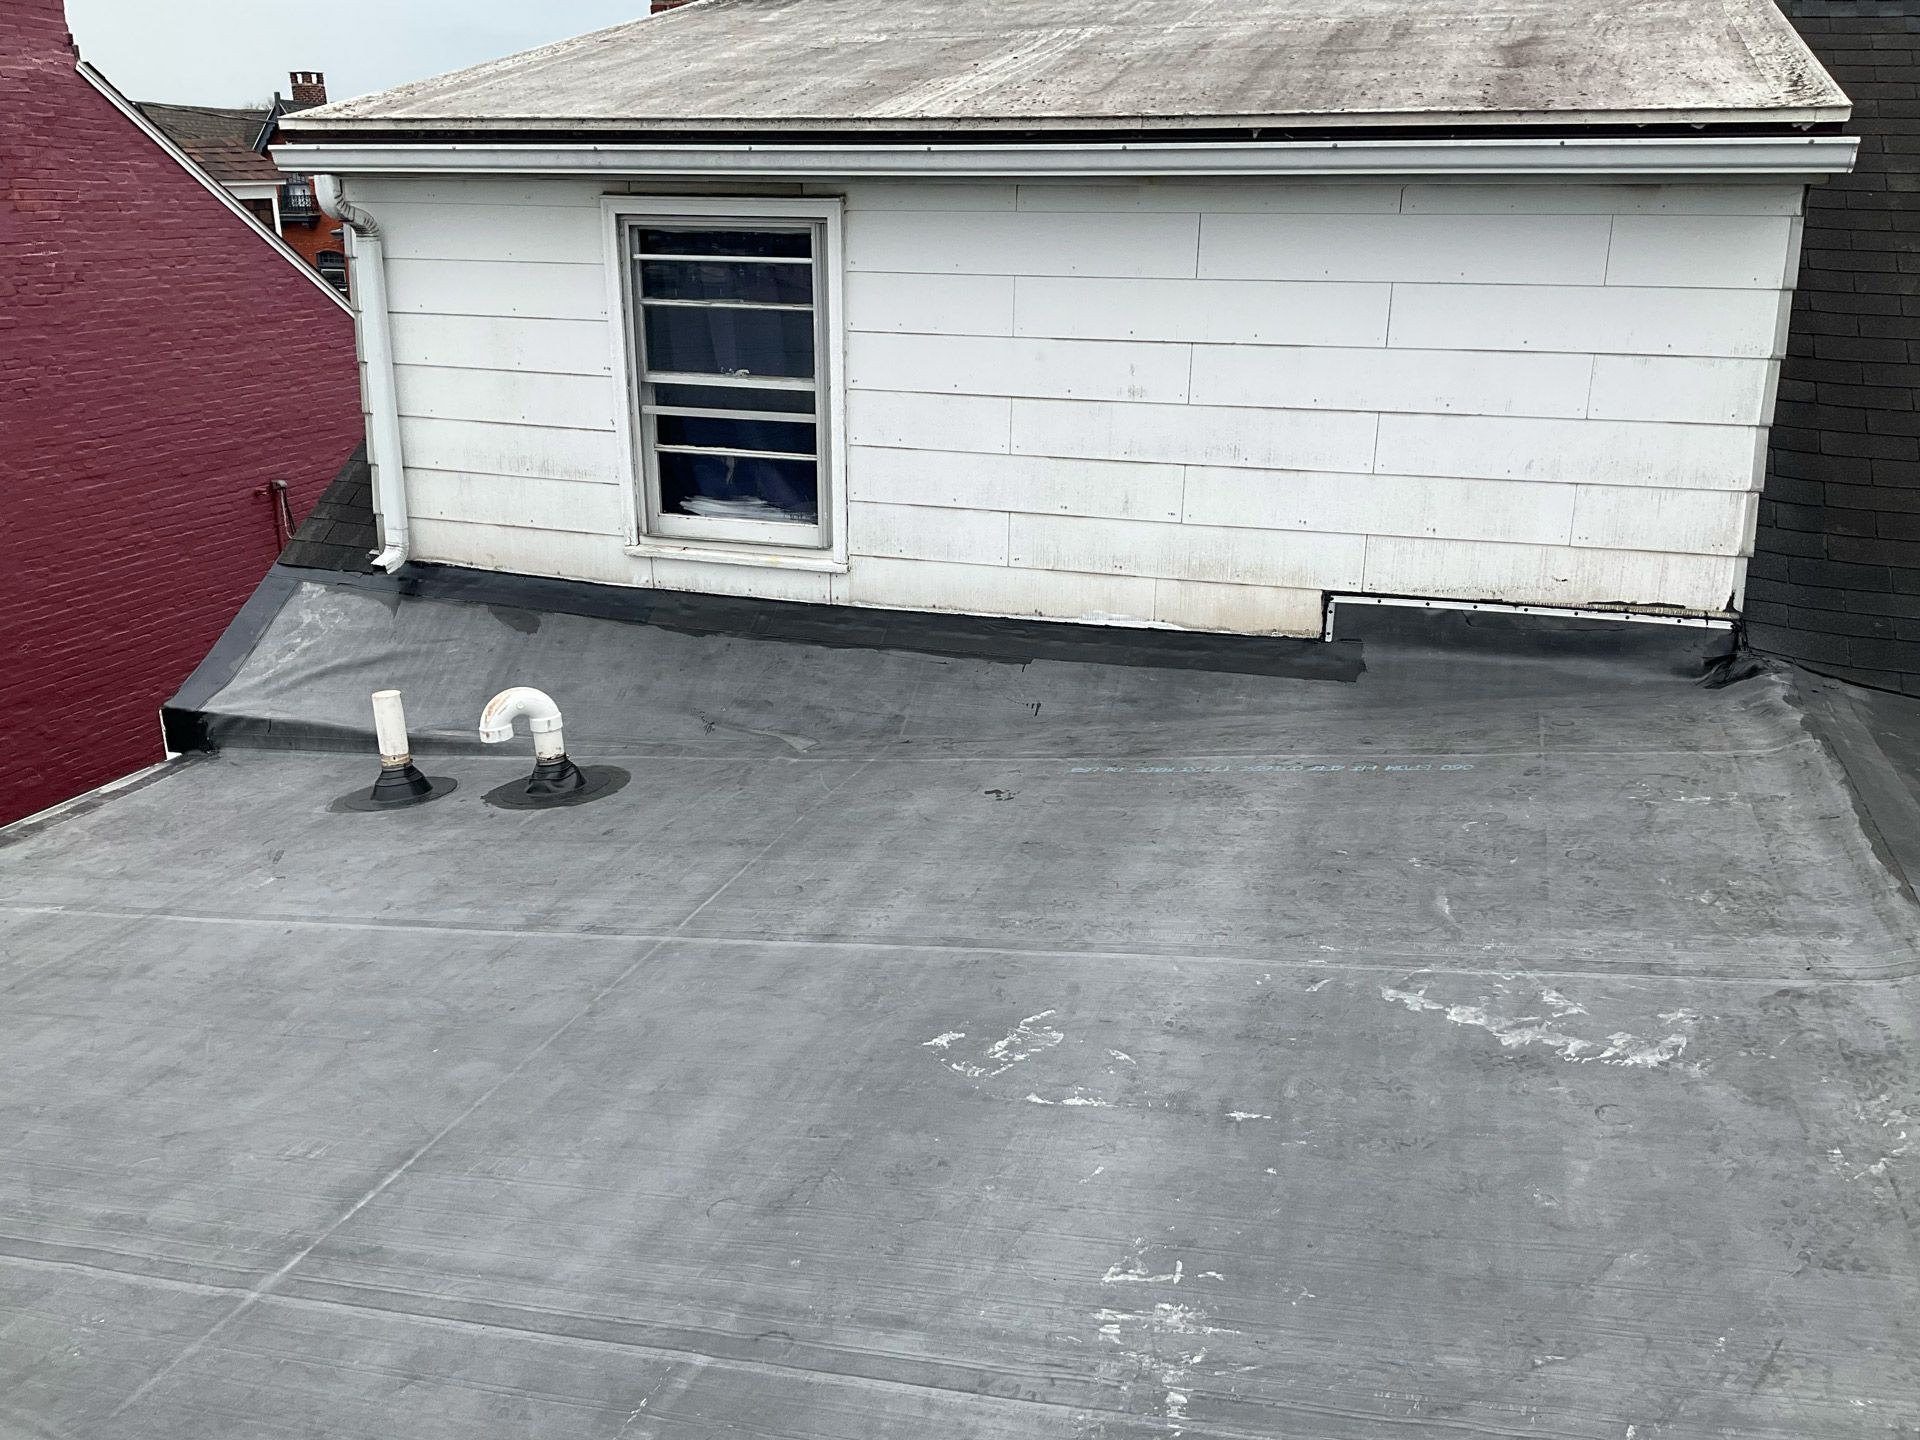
x,y
1835,580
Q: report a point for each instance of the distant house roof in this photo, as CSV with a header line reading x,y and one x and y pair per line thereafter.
x,y
220,141
932,67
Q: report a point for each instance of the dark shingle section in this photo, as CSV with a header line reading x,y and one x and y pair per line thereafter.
x,y
219,141
1835,581
339,532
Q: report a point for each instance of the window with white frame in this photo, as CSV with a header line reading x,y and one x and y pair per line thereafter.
x,y
728,345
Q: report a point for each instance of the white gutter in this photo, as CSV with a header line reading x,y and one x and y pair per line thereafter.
x,y
1800,157
376,346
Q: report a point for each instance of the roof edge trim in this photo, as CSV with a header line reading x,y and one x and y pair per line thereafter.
x,y
1811,156
945,127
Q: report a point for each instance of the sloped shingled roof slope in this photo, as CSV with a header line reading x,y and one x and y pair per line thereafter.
x,y
220,141
931,66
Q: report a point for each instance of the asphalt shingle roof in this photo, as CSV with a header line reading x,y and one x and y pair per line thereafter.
x,y
219,141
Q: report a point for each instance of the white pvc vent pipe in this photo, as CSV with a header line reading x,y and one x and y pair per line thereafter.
x,y
390,729
543,721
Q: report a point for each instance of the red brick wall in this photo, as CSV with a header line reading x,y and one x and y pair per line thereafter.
x,y
159,363
310,240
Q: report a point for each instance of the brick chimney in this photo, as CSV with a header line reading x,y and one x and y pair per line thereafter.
x,y
309,88
32,31
659,5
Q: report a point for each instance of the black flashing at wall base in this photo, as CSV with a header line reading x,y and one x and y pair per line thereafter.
x,y
851,627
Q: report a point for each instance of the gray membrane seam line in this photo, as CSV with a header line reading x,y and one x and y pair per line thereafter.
x,y
1147,1419
132,1277
1529,752
266,1286
677,1354
1413,962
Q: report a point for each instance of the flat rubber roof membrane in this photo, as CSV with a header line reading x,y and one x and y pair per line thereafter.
x,y
1504,1043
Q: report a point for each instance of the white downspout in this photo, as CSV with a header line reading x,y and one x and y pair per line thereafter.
x,y
376,343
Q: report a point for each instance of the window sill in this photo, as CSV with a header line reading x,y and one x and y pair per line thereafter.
x,y
817,561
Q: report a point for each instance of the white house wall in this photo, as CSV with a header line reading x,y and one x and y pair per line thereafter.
x,y
1184,404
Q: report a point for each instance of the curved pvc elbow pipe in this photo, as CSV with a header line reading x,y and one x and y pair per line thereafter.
x,y
542,715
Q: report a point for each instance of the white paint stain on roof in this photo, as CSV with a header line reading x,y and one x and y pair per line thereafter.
x,y
1620,1047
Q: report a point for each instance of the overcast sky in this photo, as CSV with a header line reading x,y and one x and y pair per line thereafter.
x,y
234,52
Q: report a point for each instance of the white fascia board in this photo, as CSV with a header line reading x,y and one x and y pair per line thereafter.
x,y
212,186
1803,157
254,189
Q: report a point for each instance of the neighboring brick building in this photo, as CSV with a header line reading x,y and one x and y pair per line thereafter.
x,y
231,146
1835,582
154,379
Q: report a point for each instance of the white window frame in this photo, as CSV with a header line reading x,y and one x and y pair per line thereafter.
x,y
644,537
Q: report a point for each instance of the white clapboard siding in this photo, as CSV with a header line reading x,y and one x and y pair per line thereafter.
x,y
1195,434
928,422
1509,249
498,287
669,573
1381,505
560,234
1708,251
915,532
1020,243
1299,559
991,365
532,451
1198,404
491,342
1253,312
930,304
1601,452
565,402
1465,198
1613,319
1433,381
1215,197
1241,609
1698,522
1547,575
505,194
1001,590
1690,388
1033,484
525,551
922,195
573,505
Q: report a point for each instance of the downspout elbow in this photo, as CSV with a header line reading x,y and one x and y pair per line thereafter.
x,y
332,200
383,430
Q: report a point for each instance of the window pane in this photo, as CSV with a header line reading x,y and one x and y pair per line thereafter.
x,y
738,487
735,434
726,280
733,397
790,244
729,342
